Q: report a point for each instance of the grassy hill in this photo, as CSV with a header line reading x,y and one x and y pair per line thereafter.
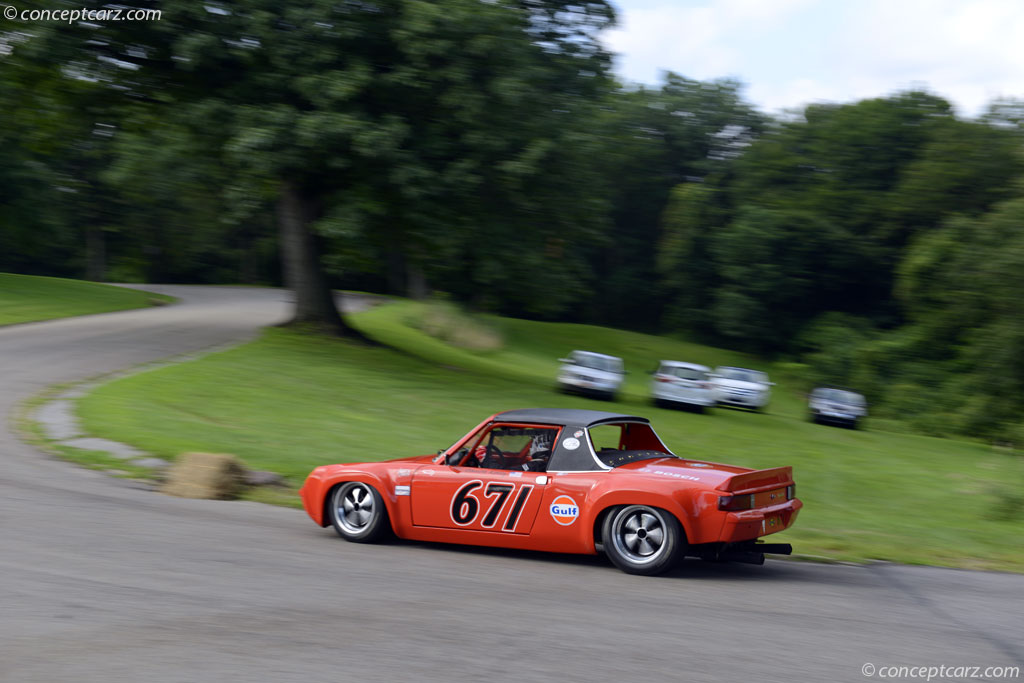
x,y
289,402
29,298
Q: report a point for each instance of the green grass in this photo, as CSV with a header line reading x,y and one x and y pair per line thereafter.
x,y
30,298
289,402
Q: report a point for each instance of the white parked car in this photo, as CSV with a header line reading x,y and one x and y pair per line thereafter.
x,y
592,373
678,383
837,406
741,387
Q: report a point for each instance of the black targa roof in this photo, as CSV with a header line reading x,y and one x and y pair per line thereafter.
x,y
565,416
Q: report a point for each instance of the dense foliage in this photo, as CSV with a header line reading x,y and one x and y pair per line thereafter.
x,y
481,148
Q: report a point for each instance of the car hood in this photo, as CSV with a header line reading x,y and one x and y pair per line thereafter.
x,y
710,473
740,384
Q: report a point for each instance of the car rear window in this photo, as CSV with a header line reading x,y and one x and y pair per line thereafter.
x,y
599,363
685,373
612,440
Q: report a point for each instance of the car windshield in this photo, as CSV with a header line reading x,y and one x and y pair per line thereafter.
x,y
606,364
743,375
684,373
841,396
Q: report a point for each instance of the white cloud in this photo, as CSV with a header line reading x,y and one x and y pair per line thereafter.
x,y
651,40
790,52
693,41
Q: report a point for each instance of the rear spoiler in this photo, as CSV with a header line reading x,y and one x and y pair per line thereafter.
x,y
758,480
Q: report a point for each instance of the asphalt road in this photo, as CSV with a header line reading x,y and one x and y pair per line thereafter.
x,y
100,581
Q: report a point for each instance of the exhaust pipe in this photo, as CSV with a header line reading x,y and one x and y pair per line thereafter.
x,y
747,553
774,548
744,556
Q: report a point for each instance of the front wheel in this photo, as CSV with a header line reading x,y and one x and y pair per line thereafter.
x,y
357,512
640,539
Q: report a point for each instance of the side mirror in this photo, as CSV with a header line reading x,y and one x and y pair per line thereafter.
x,y
456,457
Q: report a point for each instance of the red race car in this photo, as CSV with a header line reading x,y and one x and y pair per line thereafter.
x,y
567,481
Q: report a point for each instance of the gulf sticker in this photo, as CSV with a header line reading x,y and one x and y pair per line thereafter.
x,y
564,510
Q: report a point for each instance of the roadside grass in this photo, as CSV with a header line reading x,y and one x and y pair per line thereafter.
x,y
531,349
30,298
288,402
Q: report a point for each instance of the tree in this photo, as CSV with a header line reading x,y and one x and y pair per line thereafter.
x,y
842,164
778,269
691,219
687,131
962,286
400,122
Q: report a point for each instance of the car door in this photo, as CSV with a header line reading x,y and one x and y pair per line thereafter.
x,y
477,498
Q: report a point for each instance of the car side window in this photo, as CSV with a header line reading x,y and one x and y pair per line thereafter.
x,y
507,447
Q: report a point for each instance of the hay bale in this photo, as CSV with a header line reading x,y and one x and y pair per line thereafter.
x,y
218,476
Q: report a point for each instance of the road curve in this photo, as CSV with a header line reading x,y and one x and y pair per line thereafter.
x,y
100,581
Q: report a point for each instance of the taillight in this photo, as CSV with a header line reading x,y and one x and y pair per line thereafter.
x,y
734,503
662,378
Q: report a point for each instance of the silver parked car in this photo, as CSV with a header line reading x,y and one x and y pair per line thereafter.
x,y
742,387
591,373
682,384
837,406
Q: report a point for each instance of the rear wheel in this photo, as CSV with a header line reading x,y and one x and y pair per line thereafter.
x,y
640,539
357,512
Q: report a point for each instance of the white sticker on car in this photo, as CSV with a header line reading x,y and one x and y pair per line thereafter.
x,y
674,475
571,444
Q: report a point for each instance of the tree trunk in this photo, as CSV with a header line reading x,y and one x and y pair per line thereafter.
x,y
418,286
96,254
395,270
303,272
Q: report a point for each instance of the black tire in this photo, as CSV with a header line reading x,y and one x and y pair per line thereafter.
x,y
640,539
357,512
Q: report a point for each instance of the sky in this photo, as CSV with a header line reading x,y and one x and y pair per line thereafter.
x,y
792,52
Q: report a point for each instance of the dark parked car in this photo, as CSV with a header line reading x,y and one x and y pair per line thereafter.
x,y
837,406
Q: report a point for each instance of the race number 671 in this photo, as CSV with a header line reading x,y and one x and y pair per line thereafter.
x,y
466,505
